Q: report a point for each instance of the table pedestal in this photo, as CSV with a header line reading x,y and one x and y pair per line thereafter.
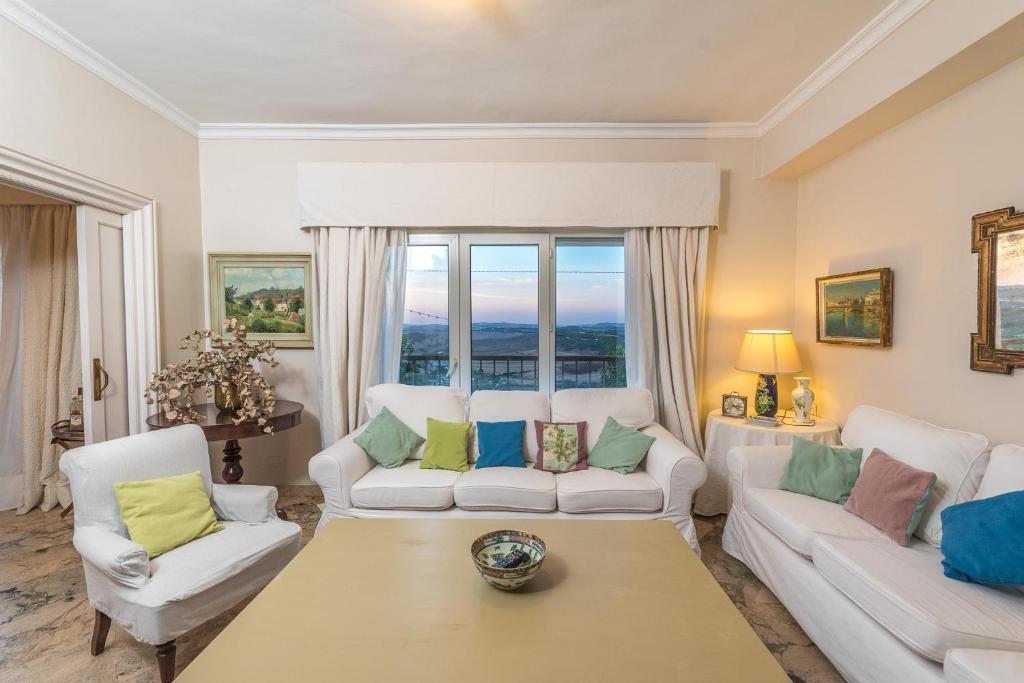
x,y
232,472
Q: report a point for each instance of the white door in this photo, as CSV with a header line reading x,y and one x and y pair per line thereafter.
x,y
101,302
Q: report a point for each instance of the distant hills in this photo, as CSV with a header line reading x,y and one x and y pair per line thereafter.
x,y
499,338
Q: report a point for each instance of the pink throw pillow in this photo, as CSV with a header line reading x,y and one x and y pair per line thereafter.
x,y
890,495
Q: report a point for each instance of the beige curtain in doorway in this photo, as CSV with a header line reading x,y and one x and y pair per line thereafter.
x,y
666,269
50,339
357,274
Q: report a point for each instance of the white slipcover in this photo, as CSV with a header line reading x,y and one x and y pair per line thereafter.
x,y
598,490
905,591
406,487
160,599
983,666
957,458
518,489
1005,472
413,405
661,488
799,520
632,408
504,406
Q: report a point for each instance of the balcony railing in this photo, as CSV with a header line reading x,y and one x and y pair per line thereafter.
x,y
519,372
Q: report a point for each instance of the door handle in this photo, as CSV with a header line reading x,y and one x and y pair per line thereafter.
x,y
99,373
452,365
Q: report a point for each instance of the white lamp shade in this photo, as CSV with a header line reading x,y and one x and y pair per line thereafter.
x,y
769,352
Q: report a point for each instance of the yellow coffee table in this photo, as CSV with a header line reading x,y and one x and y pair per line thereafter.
x,y
400,600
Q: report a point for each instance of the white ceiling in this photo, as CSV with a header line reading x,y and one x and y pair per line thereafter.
x,y
466,61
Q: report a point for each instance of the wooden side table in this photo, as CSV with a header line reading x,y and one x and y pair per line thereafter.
x,y
722,433
219,426
67,437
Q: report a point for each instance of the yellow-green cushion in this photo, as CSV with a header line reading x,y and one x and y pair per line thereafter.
x,y
162,514
447,446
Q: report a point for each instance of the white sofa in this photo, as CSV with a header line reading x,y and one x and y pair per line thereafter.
x,y
881,612
661,488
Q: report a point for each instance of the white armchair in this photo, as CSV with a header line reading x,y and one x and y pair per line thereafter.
x,y
160,599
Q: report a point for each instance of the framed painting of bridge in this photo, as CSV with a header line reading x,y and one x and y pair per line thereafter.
x,y
856,308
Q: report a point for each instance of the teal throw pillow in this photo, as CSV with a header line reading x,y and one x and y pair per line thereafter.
x,y
619,448
388,440
826,472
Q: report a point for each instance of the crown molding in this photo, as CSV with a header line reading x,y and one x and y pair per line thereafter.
x,y
874,32
43,28
473,131
878,29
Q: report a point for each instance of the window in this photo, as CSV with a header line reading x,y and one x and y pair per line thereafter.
x,y
590,298
514,311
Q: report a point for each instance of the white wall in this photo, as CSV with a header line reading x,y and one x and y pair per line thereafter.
x,y
905,200
55,110
249,203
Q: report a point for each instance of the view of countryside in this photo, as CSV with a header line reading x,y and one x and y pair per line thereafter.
x,y
589,315
266,299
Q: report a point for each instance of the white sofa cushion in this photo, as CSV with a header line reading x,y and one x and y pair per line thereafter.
x,y
798,519
1005,471
957,458
599,490
630,407
904,590
405,488
983,666
505,406
517,489
413,405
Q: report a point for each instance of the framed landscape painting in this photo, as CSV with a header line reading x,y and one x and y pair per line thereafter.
x,y
856,308
265,292
998,239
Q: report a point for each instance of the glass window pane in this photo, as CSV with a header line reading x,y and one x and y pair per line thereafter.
x,y
425,324
504,308
590,300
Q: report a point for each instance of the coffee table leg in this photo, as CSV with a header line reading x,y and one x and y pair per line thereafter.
x,y
232,472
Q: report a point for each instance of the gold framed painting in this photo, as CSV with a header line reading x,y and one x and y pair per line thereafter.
x,y
855,309
998,239
268,293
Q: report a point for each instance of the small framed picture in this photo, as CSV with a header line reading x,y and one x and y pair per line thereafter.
x,y
265,292
855,308
734,405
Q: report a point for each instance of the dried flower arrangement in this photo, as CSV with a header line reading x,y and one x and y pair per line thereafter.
x,y
231,368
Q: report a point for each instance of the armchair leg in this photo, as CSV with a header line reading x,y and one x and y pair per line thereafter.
x,y
100,628
165,660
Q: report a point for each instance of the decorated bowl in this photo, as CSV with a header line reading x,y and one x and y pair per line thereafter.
x,y
508,559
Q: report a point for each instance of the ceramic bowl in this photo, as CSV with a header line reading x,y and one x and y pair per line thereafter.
x,y
491,547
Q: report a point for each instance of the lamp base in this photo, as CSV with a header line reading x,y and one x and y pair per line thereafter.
x,y
766,398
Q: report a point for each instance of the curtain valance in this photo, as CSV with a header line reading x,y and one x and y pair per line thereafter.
x,y
470,194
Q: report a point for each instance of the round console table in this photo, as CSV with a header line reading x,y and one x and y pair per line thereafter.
x,y
722,433
219,426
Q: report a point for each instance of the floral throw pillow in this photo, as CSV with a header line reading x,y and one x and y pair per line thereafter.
x,y
561,446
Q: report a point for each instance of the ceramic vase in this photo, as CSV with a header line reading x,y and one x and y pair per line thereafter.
x,y
803,402
226,400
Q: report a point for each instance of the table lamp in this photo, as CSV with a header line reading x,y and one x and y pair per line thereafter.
x,y
768,353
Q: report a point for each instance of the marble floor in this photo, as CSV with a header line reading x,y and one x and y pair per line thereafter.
x,y
46,621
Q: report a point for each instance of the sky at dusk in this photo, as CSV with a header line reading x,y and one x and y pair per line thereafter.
x,y
589,284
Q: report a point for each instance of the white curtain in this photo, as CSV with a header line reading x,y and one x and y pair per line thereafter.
x,y
666,269
40,366
14,221
350,291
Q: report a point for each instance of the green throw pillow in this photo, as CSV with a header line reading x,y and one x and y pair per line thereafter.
x,y
826,472
619,448
388,440
162,514
447,446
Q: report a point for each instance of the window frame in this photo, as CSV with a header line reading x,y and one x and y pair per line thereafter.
x,y
459,243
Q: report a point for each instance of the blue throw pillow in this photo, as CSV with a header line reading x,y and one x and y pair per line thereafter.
x,y
501,444
981,540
